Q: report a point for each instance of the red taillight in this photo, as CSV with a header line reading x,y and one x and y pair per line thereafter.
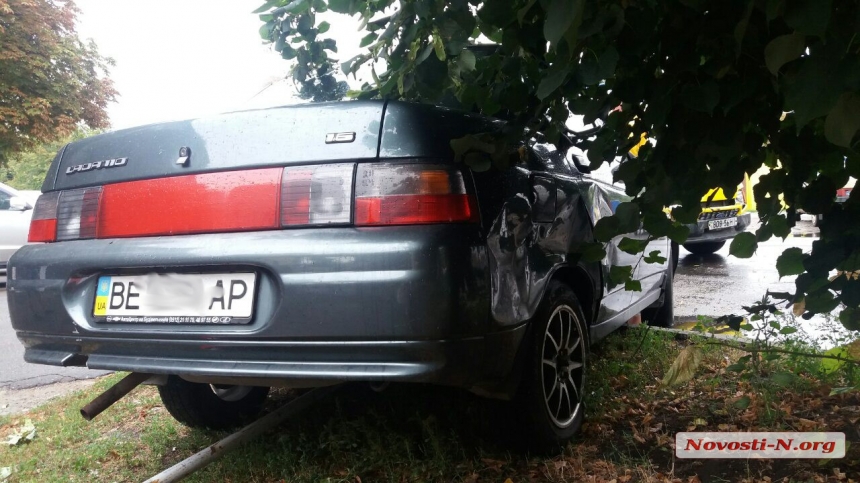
x,y
411,194
201,203
257,199
43,224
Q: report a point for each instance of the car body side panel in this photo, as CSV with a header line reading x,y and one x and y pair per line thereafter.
x,y
524,253
425,131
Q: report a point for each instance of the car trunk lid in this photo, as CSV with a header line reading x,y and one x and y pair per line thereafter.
x,y
305,134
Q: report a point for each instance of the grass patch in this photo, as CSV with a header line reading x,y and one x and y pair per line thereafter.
x,y
424,433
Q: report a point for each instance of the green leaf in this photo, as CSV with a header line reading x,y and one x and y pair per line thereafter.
x,y
843,121
555,77
783,49
808,16
742,403
607,63
521,13
466,60
628,216
834,392
341,6
787,330
678,233
266,6
479,162
607,228
297,6
368,39
560,16
743,245
323,27
850,318
424,54
633,286
266,30
592,70
684,367
701,97
811,93
782,378
439,47
593,252
655,257
619,274
790,262
741,27
632,246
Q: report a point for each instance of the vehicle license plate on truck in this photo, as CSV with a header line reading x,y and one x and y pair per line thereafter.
x,y
720,224
171,298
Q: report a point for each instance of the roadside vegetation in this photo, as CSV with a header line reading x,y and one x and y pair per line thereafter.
x,y
417,433
26,170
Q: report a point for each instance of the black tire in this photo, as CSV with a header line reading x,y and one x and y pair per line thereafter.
x,y
664,315
676,255
198,406
549,369
704,248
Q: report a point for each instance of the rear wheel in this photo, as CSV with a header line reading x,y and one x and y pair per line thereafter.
x,y
704,248
551,395
211,406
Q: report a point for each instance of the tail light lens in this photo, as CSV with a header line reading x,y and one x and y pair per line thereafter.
x,y
43,224
78,213
261,199
199,203
387,194
316,195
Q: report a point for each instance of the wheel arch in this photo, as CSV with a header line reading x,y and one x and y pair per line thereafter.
x,y
578,279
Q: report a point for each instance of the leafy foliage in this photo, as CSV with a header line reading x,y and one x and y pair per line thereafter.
x,y
26,170
722,88
50,81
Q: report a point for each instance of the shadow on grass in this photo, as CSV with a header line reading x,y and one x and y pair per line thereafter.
x,y
409,432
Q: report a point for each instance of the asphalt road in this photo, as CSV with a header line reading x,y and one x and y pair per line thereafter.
x,y
17,374
719,284
712,285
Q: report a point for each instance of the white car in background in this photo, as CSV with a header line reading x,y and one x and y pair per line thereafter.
x,y
16,209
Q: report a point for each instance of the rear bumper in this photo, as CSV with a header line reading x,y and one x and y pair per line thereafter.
x,y
482,362
397,303
700,233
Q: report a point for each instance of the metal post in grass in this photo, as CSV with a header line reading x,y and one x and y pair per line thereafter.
x,y
201,459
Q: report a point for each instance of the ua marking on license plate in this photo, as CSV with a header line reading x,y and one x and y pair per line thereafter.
x,y
176,298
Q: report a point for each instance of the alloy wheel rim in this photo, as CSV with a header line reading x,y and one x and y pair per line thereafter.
x,y
563,367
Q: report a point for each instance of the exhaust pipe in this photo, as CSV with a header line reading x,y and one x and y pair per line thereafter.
x,y
113,394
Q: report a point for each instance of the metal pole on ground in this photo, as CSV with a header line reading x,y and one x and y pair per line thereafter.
x,y
201,459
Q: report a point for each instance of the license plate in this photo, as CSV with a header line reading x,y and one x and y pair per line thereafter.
x,y
720,224
171,298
